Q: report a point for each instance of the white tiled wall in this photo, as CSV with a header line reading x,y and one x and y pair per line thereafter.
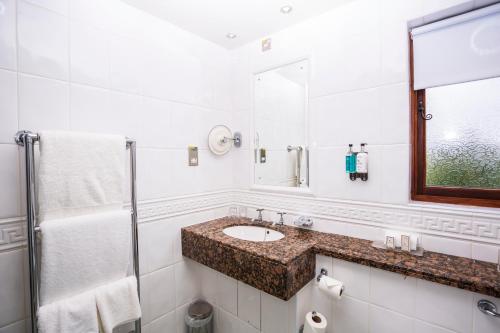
x,y
104,66
379,301
374,301
358,92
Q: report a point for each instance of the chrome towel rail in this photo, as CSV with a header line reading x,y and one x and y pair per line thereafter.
x,y
27,140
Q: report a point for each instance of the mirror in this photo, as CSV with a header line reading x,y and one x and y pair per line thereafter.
x,y
281,154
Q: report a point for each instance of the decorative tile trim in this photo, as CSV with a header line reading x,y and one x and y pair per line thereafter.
x,y
163,208
474,224
13,231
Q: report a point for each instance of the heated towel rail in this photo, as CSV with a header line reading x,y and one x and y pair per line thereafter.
x,y
27,140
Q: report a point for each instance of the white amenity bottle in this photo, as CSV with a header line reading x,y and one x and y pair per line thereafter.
x,y
362,163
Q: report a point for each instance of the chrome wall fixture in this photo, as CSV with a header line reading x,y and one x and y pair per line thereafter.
x,y
221,140
322,272
27,140
488,308
298,164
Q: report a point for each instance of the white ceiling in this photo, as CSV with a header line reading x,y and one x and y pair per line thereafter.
x,y
248,19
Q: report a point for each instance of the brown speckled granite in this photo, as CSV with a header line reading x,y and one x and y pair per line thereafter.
x,y
281,268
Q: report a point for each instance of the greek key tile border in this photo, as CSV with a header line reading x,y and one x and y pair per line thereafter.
x,y
473,224
12,233
13,230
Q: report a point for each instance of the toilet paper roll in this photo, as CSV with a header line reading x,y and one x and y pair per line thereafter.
x,y
333,288
315,323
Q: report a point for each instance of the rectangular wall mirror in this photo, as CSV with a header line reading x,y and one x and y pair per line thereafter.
x,y
281,152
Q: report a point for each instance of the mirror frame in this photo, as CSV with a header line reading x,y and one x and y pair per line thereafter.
x,y
306,191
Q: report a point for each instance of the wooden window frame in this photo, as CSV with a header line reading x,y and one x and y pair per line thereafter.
x,y
419,190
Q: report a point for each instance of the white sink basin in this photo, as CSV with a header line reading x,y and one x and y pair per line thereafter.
x,y
254,234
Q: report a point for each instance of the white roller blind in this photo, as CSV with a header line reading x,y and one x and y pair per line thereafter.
x,y
459,49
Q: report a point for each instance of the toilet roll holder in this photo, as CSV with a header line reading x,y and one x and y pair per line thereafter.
x,y
322,272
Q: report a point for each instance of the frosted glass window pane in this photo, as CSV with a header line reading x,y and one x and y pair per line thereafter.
x,y
463,137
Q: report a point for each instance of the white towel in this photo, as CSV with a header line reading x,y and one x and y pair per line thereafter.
x,y
80,173
118,303
82,253
75,314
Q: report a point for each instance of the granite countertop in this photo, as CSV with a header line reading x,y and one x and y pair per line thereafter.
x,y
281,268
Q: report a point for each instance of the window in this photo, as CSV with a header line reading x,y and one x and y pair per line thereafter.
x,y
455,105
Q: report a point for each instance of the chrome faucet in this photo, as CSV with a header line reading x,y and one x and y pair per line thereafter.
x,y
259,218
281,221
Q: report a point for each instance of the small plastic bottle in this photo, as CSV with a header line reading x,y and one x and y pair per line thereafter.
x,y
348,158
362,163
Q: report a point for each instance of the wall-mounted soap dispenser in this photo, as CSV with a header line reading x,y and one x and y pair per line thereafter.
x,y
350,163
356,163
362,163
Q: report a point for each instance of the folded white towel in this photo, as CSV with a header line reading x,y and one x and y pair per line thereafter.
x,y
71,315
118,303
82,253
80,173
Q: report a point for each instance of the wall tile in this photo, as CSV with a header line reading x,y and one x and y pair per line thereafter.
x,y
43,104
483,252
423,327
208,283
385,321
155,123
393,291
447,246
333,112
356,278
226,322
125,64
274,314
163,324
89,59
90,109
158,293
328,176
444,306
17,327
12,287
152,163
8,105
246,328
8,48
187,178
180,313
157,245
186,281
43,42
358,65
249,304
396,174
346,316
9,178
394,110
227,293
58,6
